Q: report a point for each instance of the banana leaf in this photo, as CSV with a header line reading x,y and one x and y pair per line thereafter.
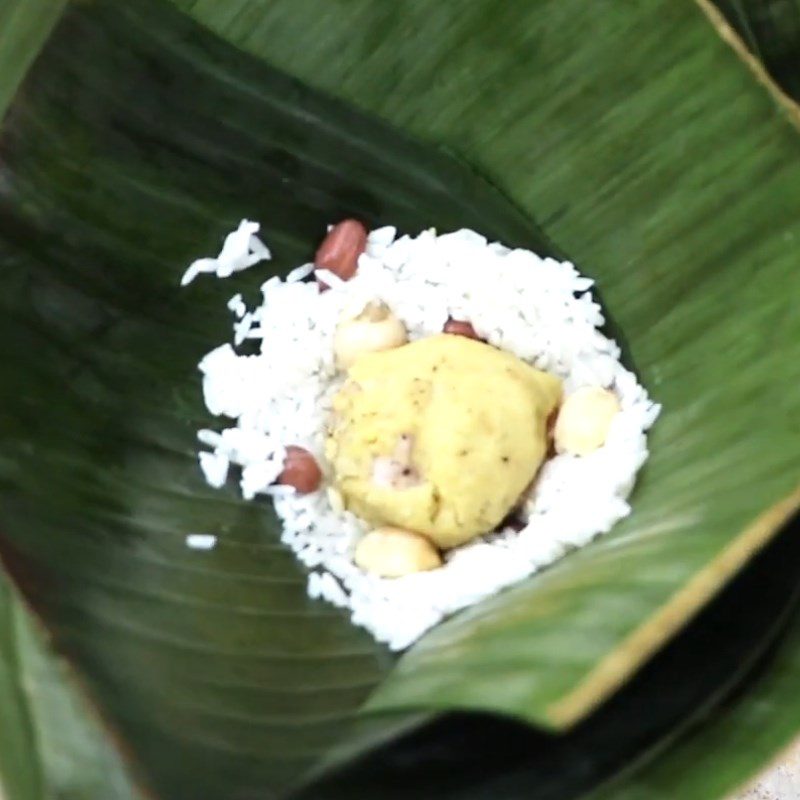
x,y
23,31
50,743
614,747
41,702
770,29
145,131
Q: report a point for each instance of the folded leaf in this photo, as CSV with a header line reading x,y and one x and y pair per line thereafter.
x,y
139,139
50,744
668,177
714,759
480,757
24,28
214,663
771,31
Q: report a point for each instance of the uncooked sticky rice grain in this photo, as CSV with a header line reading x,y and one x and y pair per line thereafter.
x,y
241,250
537,308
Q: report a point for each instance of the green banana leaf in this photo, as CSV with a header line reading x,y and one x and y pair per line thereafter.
x,y
23,30
507,759
82,766
771,31
139,138
715,758
50,745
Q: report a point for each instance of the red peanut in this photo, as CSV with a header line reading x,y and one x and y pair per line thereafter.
x,y
460,328
300,470
340,249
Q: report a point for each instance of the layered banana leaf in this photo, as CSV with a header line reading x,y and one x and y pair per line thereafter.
x,y
51,744
485,757
770,29
629,138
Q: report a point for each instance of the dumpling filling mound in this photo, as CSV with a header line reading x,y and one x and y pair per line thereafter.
x,y
433,417
441,436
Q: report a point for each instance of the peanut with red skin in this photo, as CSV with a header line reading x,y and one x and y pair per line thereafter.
x,y
340,249
459,327
549,427
300,470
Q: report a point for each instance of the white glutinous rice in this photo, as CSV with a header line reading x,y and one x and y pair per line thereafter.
x,y
241,250
201,541
539,309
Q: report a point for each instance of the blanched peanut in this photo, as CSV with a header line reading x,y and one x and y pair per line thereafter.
x,y
459,327
300,470
341,248
394,552
375,328
584,420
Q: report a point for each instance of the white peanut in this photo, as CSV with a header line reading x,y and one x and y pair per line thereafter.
x,y
584,420
375,328
394,552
